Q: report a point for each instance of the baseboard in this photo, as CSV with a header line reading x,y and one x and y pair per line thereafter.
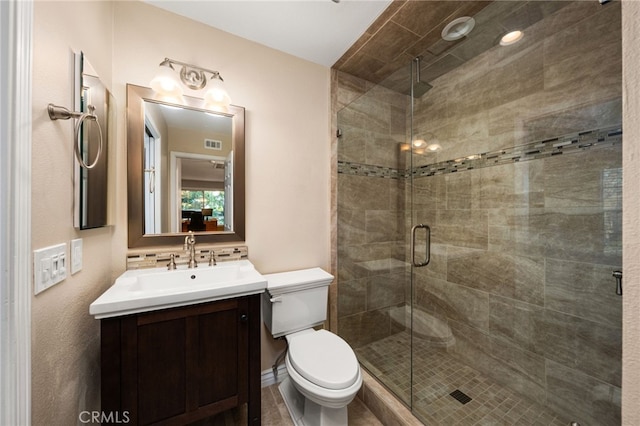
x,y
267,378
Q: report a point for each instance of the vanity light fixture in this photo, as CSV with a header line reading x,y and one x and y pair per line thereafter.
x,y
167,83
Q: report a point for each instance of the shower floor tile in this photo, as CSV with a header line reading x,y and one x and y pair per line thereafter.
x,y
437,374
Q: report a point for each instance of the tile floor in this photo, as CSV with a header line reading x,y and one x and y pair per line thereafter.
x,y
438,374
274,413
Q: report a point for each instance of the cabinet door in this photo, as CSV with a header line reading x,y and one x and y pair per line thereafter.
x,y
161,360
184,364
221,364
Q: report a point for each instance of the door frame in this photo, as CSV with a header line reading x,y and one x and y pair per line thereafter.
x,y
16,21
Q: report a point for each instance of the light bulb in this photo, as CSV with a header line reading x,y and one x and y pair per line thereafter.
x,y
511,38
217,96
166,83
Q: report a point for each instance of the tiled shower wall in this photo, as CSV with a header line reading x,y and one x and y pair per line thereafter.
x,y
522,253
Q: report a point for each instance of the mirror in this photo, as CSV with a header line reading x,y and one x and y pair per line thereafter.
x,y
185,170
91,184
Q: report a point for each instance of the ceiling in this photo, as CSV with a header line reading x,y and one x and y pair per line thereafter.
x,y
411,29
375,40
320,31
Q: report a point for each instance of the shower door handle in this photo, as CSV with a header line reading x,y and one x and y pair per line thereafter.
x,y
427,255
618,276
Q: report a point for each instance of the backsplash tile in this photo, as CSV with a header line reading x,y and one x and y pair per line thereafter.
x,y
154,258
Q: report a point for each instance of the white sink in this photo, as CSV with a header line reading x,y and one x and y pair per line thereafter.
x,y
143,290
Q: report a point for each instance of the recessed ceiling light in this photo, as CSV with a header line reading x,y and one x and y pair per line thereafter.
x,y
511,38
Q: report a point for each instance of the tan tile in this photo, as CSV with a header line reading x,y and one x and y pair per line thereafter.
x,y
360,415
387,43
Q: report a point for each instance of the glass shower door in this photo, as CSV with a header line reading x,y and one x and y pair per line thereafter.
x,y
517,169
373,224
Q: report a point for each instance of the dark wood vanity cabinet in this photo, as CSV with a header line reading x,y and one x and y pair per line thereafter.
x,y
179,365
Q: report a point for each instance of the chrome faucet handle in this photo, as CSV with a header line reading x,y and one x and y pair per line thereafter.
x,y
212,258
172,262
190,245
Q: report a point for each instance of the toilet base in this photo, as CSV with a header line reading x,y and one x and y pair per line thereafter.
x,y
305,412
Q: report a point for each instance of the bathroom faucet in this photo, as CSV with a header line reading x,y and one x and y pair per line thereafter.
x,y
190,246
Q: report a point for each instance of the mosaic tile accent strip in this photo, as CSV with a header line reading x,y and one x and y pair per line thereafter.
x,y
566,144
358,169
160,257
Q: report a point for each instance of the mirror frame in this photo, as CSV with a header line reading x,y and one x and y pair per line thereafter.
x,y
136,96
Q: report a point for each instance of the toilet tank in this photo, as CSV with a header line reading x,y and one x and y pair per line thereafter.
x,y
295,300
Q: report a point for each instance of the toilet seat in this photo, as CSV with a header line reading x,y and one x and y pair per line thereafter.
x,y
324,359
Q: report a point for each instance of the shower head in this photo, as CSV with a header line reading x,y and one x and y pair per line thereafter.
x,y
420,88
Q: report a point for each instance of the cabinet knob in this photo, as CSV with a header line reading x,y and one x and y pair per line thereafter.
x,y
244,317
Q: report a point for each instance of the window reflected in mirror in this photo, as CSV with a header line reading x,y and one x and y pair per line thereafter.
x,y
206,204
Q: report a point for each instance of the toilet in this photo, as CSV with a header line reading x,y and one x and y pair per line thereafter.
x,y
323,371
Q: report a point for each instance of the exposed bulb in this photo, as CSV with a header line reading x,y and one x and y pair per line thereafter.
x,y
166,83
217,96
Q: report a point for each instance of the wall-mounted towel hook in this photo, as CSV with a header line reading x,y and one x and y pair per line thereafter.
x,y
62,113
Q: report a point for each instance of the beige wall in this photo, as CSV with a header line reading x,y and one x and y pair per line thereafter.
x,y
284,98
192,140
631,214
65,338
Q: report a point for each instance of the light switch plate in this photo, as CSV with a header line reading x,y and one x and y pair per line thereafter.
x,y
49,266
76,255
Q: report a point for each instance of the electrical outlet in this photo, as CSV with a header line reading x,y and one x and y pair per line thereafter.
x,y
76,255
49,266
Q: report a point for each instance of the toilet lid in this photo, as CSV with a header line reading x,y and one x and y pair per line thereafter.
x,y
324,359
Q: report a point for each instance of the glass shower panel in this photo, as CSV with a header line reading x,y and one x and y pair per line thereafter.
x,y
373,266
517,169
